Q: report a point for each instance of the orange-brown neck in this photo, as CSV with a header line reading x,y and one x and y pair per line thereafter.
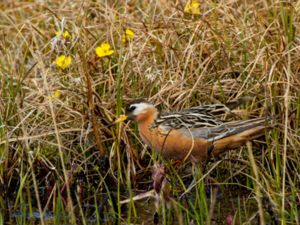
x,y
145,122
147,117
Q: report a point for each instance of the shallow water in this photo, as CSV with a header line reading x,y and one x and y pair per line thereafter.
x,y
226,205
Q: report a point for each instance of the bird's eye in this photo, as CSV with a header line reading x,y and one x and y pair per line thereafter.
x,y
132,108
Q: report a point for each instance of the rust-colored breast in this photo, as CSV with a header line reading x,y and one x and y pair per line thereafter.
x,y
173,145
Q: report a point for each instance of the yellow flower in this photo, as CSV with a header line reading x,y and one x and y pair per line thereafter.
x,y
193,7
121,118
65,35
56,94
104,50
128,36
63,61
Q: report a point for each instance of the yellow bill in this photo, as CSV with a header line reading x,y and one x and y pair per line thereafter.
x,y
122,118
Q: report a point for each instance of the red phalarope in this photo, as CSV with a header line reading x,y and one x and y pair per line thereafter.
x,y
195,133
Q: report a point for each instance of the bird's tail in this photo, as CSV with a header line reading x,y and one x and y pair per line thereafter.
x,y
238,133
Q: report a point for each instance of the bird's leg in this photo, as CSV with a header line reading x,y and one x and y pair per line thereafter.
x,y
196,171
210,149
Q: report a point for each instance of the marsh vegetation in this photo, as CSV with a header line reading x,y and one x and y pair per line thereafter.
x,y
69,67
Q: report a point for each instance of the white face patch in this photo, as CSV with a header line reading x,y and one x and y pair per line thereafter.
x,y
140,108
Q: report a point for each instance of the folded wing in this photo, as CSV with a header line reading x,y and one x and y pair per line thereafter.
x,y
224,130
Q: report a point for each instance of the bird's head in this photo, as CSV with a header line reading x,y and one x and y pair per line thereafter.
x,y
138,111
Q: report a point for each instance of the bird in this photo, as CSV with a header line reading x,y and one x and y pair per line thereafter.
x,y
194,134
